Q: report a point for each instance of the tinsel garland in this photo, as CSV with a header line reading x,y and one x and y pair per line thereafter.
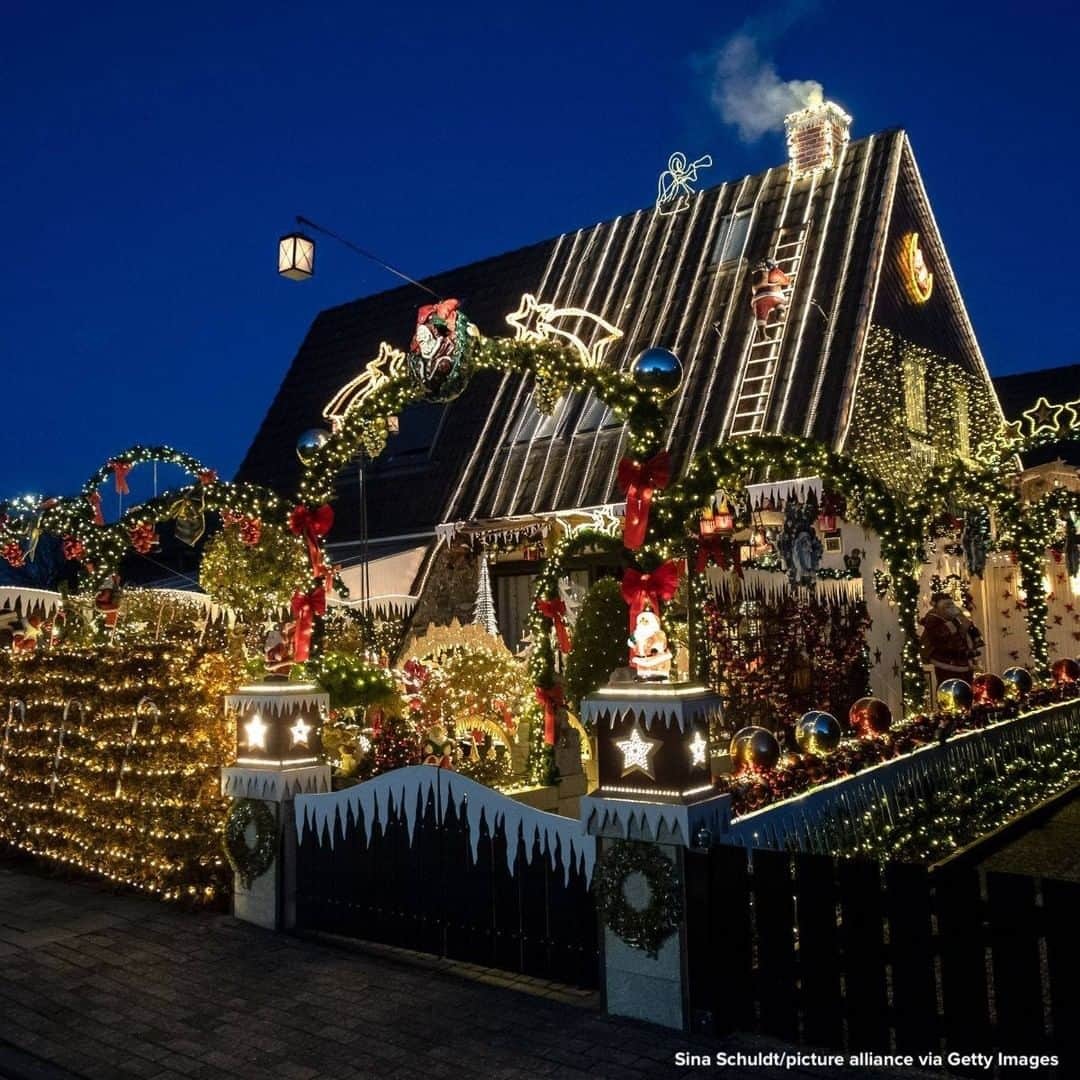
x,y
644,928
250,862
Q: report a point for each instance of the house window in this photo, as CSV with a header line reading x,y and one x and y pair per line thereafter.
x,y
597,415
538,426
915,393
963,427
731,239
418,431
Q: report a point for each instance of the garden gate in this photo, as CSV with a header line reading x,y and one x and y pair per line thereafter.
x,y
426,859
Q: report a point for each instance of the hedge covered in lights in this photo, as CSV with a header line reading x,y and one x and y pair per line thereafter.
x,y
110,763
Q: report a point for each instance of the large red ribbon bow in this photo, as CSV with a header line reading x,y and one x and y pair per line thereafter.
x,y
639,481
120,469
305,606
555,610
653,588
553,699
94,499
311,524
714,548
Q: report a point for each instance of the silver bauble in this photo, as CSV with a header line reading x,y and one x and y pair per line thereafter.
x,y
659,371
310,443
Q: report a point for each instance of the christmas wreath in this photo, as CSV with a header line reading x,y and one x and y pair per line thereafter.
x,y
250,862
647,927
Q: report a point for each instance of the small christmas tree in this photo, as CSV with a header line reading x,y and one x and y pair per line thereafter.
x,y
599,641
484,613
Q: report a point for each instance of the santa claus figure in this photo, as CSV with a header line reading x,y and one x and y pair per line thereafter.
x,y
650,656
948,641
767,291
25,639
278,654
435,339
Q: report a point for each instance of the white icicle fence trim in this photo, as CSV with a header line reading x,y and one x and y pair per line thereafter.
x,y
402,788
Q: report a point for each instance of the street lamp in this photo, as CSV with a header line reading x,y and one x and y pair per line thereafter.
x,y
296,256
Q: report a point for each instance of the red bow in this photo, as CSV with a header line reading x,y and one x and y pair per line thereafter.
x,y
553,699
639,481
120,470
555,610
311,524
305,606
94,498
656,586
207,476
714,548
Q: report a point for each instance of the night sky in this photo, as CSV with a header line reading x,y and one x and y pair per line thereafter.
x,y
153,156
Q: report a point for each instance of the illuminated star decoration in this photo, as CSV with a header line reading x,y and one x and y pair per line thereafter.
x,y
388,365
299,732
255,733
1073,407
1043,417
635,752
533,321
698,746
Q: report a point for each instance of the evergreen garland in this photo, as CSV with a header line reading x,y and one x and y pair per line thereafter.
x,y
599,641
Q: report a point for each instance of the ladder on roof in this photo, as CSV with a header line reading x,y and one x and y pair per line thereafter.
x,y
760,371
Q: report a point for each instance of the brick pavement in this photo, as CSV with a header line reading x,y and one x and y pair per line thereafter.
x,y
102,986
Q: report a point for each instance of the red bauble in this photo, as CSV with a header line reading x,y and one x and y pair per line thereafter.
x,y
988,689
14,554
870,716
1065,671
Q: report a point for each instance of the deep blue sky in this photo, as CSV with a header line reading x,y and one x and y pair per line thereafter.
x,y
152,156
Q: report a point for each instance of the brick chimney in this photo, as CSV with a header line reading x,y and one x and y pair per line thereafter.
x,y
816,137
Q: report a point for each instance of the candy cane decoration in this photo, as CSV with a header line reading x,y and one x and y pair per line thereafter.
x,y
7,729
60,739
152,710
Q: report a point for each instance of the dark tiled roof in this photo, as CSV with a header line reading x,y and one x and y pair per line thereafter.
x,y
652,276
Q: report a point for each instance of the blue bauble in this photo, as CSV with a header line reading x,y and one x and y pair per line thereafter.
x,y
658,371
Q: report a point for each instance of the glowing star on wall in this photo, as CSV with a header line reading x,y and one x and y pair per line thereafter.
x,y
918,280
635,751
1043,417
299,732
673,190
255,733
698,746
534,321
389,365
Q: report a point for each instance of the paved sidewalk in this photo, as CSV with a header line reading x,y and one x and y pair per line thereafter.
x,y
98,985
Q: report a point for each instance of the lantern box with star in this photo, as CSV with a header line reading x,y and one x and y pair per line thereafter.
x,y
653,740
279,725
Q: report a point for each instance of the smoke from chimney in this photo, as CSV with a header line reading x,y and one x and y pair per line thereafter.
x,y
749,93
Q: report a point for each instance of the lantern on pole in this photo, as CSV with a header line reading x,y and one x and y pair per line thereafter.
x,y
296,256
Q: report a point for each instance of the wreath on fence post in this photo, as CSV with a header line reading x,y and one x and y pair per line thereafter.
x,y
646,927
251,862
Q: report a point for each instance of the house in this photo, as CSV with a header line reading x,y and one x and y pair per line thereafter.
x,y
871,352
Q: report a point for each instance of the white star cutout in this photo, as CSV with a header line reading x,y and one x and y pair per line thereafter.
x,y
255,732
698,746
635,752
299,732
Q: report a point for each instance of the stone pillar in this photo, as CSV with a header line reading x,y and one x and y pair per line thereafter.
x,y
656,787
278,756
636,984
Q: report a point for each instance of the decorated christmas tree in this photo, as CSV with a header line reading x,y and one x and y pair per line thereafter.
x,y
599,641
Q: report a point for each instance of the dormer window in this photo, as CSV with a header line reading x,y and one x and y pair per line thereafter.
x,y
731,237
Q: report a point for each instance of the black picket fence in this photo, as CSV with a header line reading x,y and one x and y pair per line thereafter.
x,y
432,896
857,955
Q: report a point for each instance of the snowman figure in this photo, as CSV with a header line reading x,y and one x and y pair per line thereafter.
x,y
650,656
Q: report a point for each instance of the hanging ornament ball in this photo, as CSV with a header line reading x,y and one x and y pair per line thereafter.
x,y
988,689
1018,683
954,697
870,716
754,749
1065,671
818,733
310,443
659,371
